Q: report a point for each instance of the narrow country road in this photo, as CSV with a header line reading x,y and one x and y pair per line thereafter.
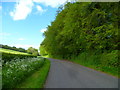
x,y
64,74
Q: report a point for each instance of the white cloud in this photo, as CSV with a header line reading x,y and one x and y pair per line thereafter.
x,y
22,9
43,30
9,0
21,39
40,9
52,3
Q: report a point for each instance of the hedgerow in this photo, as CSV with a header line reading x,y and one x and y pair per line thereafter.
x,y
8,56
14,72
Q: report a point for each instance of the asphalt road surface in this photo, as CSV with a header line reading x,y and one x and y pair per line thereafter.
x,y
64,74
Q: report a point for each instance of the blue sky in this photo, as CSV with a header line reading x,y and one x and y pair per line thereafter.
x,y
24,21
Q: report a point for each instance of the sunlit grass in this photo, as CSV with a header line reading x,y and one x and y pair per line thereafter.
x,y
37,79
46,56
105,62
12,51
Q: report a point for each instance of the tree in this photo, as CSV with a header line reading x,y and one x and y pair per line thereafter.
x,y
42,50
81,27
32,51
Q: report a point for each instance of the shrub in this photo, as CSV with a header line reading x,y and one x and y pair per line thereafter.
x,y
15,71
8,56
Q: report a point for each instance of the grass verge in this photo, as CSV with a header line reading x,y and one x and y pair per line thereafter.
x,y
109,70
15,71
37,79
104,62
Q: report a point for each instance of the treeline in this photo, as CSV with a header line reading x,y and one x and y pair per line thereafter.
x,y
85,33
13,48
30,50
82,27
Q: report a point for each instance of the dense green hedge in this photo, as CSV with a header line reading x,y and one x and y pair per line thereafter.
x,y
15,72
9,56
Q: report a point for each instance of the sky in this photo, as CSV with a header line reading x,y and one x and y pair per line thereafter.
x,y
23,22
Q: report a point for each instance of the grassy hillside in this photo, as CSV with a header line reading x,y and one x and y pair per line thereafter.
x,y
8,55
11,51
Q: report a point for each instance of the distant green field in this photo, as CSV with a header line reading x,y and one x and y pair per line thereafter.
x,y
11,51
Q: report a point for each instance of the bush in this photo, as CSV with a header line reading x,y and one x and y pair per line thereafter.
x,y
8,56
107,61
15,71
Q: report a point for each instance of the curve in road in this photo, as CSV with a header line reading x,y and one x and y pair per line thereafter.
x,y
64,74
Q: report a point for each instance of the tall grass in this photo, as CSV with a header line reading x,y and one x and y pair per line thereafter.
x,y
0,76
38,78
106,62
16,71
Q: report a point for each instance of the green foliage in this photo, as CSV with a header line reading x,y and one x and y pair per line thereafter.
x,y
9,57
13,48
12,51
82,27
37,79
42,50
107,62
14,72
33,51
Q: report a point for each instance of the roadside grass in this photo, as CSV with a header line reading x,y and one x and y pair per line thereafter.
x,y
12,51
39,56
0,77
37,79
109,70
15,71
104,62
46,56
